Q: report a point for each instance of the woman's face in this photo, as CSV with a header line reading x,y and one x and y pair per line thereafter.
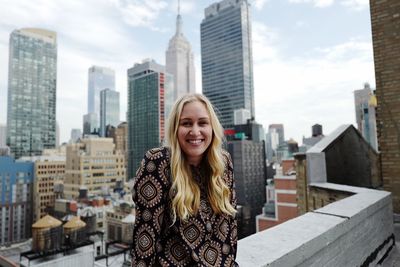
x,y
194,131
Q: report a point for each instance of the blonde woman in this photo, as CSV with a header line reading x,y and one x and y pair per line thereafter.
x,y
184,194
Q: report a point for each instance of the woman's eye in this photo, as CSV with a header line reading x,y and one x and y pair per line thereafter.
x,y
186,123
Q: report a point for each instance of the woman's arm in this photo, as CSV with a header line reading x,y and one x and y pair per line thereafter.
x,y
149,195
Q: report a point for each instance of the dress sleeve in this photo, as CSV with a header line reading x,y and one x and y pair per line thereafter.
x,y
231,183
149,195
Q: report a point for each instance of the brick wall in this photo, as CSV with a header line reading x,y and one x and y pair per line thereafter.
x,y
385,19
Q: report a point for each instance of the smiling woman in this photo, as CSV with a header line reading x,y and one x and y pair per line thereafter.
x,y
184,194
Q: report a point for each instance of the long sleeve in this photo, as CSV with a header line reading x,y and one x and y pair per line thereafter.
x,y
149,195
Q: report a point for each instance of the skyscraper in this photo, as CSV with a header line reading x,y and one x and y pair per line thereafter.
x,y
385,29
226,58
365,104
180,62
90,124
3,134
109,110
149,86
100,78
32,79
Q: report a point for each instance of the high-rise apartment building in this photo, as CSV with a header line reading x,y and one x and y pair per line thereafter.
x,y
365,104
100,78
180,63
16,182
94,166
32,79
3,135
148,101
226,58
385,20
109,110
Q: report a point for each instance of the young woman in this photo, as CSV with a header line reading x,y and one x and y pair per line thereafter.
x,y
184,194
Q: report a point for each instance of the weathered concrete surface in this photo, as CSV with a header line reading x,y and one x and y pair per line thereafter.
x,y
393,259
344,233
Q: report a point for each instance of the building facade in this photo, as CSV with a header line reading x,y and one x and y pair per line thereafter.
x,y
3,135
385,21
109,110
226,58
90,124
16,182
148,104
94,166
49,172
76,134
365,105
179,62
100,78
250,177
32,80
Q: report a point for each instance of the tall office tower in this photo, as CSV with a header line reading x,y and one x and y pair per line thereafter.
x,y
149,88
16,181
100,78
3,135
32,78
57,134
90,124
109,110
365,104
179,62
279,130
76,134
94,166
226,58
385,22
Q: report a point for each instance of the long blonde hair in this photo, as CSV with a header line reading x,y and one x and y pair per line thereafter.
x,y
184,191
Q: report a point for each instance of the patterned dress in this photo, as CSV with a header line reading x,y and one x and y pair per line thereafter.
x,y
206,239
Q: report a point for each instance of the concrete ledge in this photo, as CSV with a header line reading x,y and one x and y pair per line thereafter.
x,y
344,233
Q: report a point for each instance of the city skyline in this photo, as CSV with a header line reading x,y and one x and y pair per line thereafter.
x,y
309,56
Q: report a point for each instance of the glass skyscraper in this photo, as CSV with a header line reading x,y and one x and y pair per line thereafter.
x,y
32,79
148,93
226,58
100,78
109,110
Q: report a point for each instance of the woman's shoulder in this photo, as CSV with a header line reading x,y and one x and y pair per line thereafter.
x,y
158,153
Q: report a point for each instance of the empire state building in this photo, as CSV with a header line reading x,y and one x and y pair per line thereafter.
x,y
180,62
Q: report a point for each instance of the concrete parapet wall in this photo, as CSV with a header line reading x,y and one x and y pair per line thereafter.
x,y
355,231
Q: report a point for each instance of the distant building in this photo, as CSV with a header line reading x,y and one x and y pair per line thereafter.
x,y
179,62
3,135
284,199
16,182
76,134
226,58
93,165
316,136
32,81
49,172
100,78
247,149
120,222
241,116
57,134
120,137
109,110
365,104
149,87
385,23
90,124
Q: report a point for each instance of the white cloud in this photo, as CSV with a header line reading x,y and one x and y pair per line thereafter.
x,y
302,91
264,39
316,3
259,4
356,4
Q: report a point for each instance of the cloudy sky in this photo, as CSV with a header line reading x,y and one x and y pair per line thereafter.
x,y
309,55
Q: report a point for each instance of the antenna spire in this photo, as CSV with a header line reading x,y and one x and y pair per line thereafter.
x,y
179,20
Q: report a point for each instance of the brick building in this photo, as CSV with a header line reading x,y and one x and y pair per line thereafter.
x,y
385,19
